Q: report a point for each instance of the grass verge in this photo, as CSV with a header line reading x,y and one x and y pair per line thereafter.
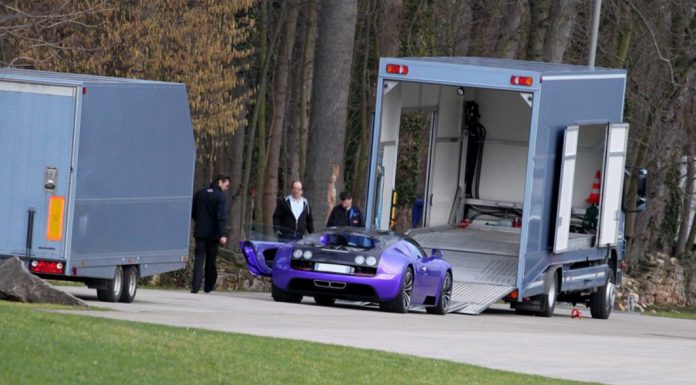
x,y
683,314
40,347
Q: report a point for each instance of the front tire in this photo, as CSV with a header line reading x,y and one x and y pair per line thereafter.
x,y
280,295
130,284
602,301
445,297
402,302
114,287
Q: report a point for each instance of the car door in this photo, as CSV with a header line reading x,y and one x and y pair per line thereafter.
x,y
260,246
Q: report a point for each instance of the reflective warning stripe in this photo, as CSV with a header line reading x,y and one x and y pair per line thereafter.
x,y
56,211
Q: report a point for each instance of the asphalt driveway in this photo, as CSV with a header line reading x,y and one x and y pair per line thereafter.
x,y
626,349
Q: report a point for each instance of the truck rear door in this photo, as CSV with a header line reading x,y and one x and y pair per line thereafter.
x,y
612,184
36,129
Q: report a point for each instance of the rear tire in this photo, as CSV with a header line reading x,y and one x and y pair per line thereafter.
x,y
445,297
548,299
130,284
280,295
602,301
324,300
402,302
114,287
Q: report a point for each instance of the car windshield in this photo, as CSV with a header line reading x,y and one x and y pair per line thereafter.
x,y
341,241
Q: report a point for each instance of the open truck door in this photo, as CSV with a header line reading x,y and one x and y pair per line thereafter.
x,y
612,181
565,193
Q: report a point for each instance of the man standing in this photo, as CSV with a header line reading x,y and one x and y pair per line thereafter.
x,y
292,216
209,213
345,214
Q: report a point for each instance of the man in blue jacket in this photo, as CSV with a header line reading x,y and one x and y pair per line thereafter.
x,y
209,213
345,214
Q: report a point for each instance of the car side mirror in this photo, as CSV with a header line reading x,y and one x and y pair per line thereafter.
x,y
436,254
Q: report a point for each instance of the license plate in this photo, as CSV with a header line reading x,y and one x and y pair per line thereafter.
x,y
331,268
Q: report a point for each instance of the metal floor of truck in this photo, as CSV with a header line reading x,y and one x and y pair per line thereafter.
x,y
484,263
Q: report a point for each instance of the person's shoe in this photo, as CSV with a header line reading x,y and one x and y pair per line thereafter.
x,y
194,291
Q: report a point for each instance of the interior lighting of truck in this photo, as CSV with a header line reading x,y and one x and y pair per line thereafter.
x,y
397,69
521,81
47,267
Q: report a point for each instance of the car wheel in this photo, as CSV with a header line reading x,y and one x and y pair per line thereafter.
x,y
402,302
445,297
114,287
130,284
324,300
602,301
548,299
280,295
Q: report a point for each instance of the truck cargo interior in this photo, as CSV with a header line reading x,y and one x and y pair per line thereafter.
x,y
474,182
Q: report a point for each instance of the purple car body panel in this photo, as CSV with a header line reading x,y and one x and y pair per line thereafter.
x,y
395,254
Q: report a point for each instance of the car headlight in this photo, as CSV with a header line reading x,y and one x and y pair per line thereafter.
x,y
297,254
359,259
371,261
307,254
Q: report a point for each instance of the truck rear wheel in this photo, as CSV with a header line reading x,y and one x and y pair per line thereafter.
x,y
114,287
130,284
548,299
602,301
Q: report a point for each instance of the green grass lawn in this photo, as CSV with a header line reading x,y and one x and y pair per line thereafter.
x,y
38,346
684,314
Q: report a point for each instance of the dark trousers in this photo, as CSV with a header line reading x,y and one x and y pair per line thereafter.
x,y
206,252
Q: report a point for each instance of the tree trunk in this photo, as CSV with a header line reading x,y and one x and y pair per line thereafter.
x,y
236,151
511,32
307,78
539,26
329,110
561,24
280,97
684,222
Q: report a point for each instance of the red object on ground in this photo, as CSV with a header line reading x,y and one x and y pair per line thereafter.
x,y
594,194
465,223
575,313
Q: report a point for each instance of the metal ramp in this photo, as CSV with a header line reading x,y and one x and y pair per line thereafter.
x,y
484,264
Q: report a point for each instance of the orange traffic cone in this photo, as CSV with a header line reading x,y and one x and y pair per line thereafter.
x,y
593,199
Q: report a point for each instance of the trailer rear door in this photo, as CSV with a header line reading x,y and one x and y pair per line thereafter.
x,y
612,184
36,144
565,195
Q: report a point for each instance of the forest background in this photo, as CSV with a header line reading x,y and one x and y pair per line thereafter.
x,y
284,90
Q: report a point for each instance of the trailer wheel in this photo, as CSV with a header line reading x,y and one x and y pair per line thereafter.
x,y
548,299
324,300
402,301
602,301
280,295
445,297
114,287
130,284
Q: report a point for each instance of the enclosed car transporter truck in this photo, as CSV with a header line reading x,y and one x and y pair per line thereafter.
x,y
97,178
525,176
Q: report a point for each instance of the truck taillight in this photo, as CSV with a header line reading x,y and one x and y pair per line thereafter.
x,y
521,81
47,267
397,69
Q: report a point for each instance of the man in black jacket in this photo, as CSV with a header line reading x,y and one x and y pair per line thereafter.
x,y
345,214
292,217
209,213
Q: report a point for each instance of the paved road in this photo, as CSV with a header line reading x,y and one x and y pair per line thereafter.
x,y
626,349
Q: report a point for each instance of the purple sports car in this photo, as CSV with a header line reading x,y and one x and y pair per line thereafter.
x,y
354,264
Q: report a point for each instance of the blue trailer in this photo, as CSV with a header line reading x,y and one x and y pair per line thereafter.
x,y
97,177
524,182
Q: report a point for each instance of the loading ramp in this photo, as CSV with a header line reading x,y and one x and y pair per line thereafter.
x,y
484,263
